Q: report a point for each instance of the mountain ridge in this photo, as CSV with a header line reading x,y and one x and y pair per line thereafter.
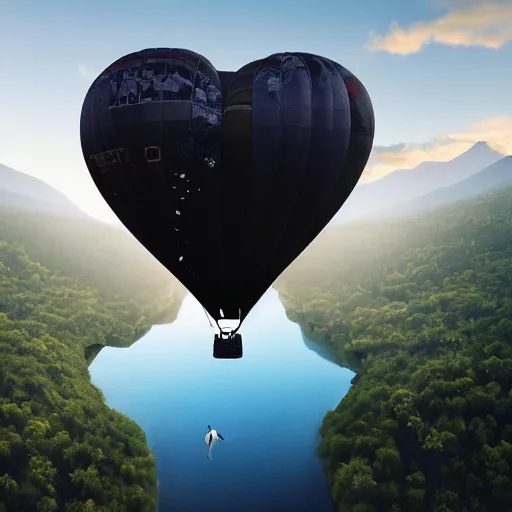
x,y
27,192
488,179
406,184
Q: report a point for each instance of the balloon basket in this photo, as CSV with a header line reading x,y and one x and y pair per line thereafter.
x,y
227,348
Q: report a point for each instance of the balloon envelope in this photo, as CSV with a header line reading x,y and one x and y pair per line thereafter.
x,y
226,177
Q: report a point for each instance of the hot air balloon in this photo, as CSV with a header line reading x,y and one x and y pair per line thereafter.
x,y
225,177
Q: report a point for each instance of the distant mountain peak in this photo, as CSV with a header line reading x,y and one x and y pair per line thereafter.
x,y
493,177
404,185
480,146
479,150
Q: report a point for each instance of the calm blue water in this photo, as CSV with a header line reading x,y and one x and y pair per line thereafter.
x,y
267,405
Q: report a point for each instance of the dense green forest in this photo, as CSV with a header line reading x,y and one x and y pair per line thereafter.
x,y
107,258
67,286
423,307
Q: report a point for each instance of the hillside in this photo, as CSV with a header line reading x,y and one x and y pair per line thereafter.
x,y
60,236
67,288
405,185
492,177
61,447
109,259
29,193
424,304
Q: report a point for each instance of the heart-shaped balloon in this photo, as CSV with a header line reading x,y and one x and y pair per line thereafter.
x,y
226,177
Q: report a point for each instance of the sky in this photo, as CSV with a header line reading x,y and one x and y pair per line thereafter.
x,y
438,71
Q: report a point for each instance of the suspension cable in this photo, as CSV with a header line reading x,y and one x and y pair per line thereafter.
x,y
230,334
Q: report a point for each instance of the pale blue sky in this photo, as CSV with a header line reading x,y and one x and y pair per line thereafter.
x,y
51,50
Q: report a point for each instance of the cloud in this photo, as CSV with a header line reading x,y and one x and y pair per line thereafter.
x,y
496,131
468,23
86,72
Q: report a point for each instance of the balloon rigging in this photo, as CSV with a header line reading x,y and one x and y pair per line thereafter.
x,y
226,177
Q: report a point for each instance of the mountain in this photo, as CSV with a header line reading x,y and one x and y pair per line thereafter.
x,y
492,177
404,185
18,190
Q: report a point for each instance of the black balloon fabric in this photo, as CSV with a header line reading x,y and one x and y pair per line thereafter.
x,y
226,177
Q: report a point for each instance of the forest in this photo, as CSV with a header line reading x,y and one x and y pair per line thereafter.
x,y
421,309
67,288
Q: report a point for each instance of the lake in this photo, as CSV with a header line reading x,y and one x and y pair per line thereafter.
x,y
268,406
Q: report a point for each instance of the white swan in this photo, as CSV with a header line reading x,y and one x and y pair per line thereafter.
x,y
210,438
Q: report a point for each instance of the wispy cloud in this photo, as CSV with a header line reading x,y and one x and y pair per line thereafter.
x,y
86,72
469,23
496,131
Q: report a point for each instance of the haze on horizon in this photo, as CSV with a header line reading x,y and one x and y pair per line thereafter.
x,y
436,70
